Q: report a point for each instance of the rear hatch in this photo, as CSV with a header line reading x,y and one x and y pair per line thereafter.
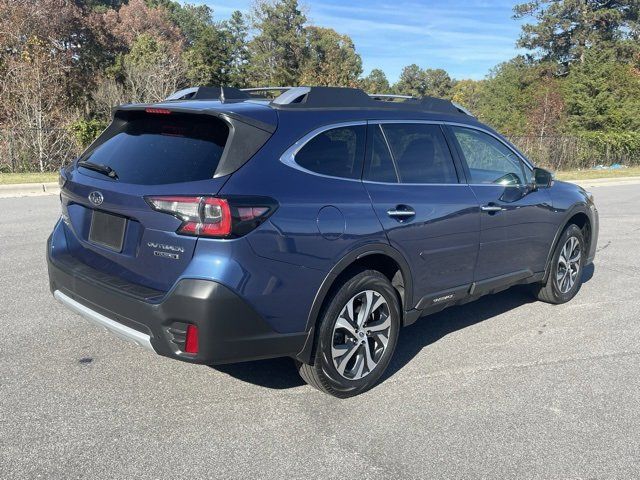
x,y
147,151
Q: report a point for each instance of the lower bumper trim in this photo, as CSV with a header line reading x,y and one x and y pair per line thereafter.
x,y
114,327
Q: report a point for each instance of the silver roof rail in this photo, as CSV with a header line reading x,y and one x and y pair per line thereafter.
x,y
389,95
265,89
463,110
181,94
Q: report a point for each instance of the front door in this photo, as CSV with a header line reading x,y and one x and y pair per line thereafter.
x,y
427,214
517,224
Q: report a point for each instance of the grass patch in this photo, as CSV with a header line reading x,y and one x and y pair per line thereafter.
x,y
590,174
11,178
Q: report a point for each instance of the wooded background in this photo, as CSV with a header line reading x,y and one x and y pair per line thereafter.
x,y
572,102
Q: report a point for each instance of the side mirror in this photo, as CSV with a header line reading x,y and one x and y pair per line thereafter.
x,y
542,178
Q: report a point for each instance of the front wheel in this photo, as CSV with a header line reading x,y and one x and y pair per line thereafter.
x,y
356,337
565,276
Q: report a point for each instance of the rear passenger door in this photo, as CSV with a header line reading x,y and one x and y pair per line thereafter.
x,y
427,213
517,224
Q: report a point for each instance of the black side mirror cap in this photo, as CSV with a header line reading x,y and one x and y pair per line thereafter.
x,y
542,178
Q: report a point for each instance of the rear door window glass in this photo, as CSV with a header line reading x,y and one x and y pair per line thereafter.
x,y
380,167
157,149
421,153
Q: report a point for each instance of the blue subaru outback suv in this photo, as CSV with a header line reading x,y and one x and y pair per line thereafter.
x,y
220,227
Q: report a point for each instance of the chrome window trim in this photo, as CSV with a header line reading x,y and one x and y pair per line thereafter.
x,y
463,125
289,156
418,184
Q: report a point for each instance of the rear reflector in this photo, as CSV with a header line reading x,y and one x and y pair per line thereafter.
x,y
191,343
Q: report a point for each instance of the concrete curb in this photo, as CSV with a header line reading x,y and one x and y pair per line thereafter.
x,y
29,189
605,182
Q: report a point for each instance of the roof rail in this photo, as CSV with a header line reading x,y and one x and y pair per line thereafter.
x,y
208,93
390,96
344,98
322,98
265,89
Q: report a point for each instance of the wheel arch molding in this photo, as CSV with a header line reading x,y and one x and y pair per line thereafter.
x,y
355,258
576,209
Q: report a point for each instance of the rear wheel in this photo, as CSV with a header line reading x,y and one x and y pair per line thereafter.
x,y
565,277
356,337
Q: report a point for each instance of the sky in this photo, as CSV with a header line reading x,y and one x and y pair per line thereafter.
x,y
465,37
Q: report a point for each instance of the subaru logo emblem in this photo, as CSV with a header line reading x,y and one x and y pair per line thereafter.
x,y
96,198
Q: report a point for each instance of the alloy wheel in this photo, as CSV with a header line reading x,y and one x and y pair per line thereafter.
x,y
360,335
568,265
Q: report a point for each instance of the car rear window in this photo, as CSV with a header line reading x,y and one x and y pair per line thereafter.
x,y
152,149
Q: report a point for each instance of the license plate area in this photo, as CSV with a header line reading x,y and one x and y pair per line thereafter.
x,y
107,230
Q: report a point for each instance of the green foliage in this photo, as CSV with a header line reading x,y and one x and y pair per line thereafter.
x,y
277,51
468,93
603,94
506,94
607,148
207,59
419,83
375,82
237,31
565,29
330,59
86,131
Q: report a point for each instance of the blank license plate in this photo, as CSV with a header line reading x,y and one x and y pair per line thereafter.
x,y
107,230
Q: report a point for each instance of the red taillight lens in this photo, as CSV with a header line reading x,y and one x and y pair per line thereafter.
x,y
214,217
157,111
191,343
202,216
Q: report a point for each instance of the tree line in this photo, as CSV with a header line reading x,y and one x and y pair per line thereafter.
x,y
65,63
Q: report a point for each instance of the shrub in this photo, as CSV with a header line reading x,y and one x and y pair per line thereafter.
x,y
86,131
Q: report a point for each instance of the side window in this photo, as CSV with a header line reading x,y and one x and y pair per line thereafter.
x,y
380,166
338,152
421,153
489,160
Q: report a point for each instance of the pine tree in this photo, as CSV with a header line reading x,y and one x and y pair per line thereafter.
x,y
277,51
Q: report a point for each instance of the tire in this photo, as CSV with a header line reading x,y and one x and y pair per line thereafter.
x,y
350,355
558,287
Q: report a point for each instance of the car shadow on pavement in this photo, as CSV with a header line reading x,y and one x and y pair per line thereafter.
x,y
429,329
280,373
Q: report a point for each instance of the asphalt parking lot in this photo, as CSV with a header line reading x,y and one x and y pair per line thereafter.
x,y
501,388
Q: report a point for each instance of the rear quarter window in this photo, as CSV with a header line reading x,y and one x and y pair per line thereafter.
x,y
338,152
149,149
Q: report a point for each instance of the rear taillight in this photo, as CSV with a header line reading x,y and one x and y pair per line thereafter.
x,y
206,216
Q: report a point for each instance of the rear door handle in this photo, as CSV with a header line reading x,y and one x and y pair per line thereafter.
x,y
491,208
401,212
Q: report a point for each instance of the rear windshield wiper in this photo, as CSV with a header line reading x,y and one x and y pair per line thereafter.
x,y
98,167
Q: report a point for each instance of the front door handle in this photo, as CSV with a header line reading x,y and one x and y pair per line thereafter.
x,y
401,212
491,208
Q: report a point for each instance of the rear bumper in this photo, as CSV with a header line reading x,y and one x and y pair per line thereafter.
x,y
116,328
230,330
